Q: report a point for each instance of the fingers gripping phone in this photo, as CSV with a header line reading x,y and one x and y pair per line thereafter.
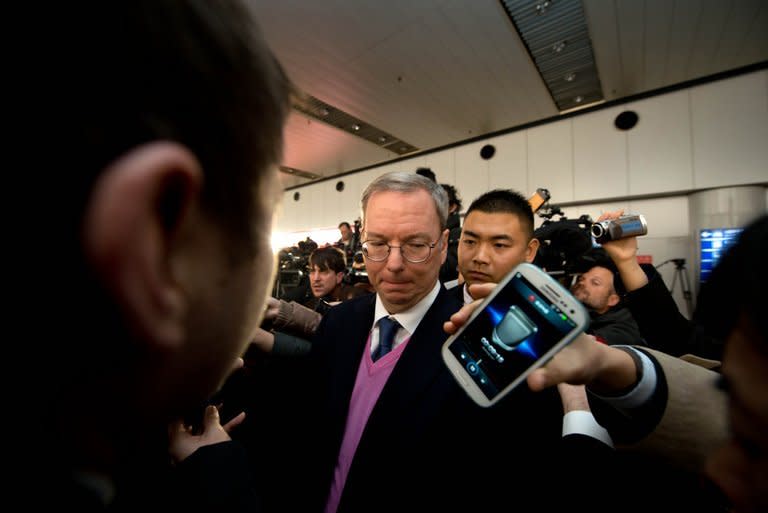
x,y
520,325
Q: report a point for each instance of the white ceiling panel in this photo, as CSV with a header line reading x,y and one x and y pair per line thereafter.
x,y
436,72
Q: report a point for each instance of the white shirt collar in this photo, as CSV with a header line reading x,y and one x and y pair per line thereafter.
x,y
408,319
467,298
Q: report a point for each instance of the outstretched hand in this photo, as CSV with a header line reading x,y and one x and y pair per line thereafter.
x,y
183,440
582,362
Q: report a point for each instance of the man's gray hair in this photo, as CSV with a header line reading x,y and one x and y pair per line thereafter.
x,y
401,181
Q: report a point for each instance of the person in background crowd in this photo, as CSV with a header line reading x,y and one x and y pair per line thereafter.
x,y
450,269
599,288
426,173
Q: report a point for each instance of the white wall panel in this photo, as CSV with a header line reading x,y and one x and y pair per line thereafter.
x,y
660,149
550,159
443,166
730,131
471,171
508,169
599,156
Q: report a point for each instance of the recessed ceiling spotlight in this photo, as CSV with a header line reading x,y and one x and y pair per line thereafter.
x,y
559,46
541,7
403,148
578,99
355,127
324,112
570,77
382,139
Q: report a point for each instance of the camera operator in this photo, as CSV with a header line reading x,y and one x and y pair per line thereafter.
x,y
349,242
599,288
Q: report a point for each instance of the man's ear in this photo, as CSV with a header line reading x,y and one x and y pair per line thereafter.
x,y
613,300
532,249
444,245
139,205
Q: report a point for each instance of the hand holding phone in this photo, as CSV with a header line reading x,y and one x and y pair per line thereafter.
x,y
523,322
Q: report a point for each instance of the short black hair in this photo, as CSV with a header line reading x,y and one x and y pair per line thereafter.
x,y
598,257
505,201
453,195
426,173
329,257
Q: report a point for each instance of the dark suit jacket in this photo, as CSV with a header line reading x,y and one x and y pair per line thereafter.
x,y
426,445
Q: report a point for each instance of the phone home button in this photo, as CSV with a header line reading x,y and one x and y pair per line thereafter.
x,y
472,368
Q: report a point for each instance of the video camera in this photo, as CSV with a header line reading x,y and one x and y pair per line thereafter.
x,y
563,243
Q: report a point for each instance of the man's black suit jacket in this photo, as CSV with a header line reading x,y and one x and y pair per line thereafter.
x,y
426,446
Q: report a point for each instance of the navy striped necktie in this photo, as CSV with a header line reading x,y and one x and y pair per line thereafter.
x,y
387,329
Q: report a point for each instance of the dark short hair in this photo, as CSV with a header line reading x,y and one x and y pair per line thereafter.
x,y
426,173
329,258
344,223
505,201
112,76
194,72
453,195
598,257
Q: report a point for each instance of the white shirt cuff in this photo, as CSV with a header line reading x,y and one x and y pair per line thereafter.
x,y
582,422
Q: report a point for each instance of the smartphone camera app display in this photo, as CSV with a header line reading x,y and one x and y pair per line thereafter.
x,y
518,327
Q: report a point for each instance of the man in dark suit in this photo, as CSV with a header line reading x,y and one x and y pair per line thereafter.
x,y
391,429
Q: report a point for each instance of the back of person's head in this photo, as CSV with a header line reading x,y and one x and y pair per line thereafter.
x,y
453,196
122,76
399,181
345,225
426,173
328,258
738,285
505,201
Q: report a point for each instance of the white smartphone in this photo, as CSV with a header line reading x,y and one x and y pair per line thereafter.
x,y
520,325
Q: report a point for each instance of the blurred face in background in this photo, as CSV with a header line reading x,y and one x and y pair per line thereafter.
x,y
324,281
345,231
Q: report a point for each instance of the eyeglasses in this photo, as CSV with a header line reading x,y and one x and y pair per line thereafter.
x,y
414,252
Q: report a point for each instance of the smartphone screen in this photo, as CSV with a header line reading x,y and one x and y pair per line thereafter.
x,y
520,327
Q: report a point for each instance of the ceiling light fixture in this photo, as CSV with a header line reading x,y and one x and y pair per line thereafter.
x,y
578,99
559,46
542,7
317,109
570,77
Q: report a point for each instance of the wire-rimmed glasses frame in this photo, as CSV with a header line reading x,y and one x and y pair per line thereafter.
x,y
406,250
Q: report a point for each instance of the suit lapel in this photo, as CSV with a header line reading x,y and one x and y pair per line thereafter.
x,y
347,352
421,363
